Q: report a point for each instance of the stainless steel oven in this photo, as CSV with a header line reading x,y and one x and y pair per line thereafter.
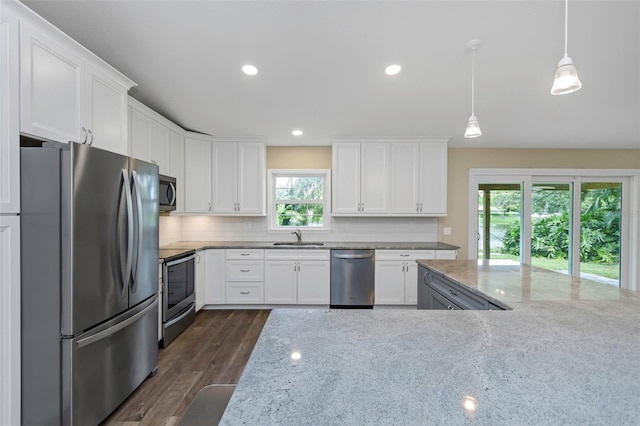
x,y
178,296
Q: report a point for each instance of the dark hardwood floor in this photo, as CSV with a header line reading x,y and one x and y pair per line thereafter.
x,y
214,349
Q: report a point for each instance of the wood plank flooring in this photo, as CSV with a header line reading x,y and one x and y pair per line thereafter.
x,y
214,349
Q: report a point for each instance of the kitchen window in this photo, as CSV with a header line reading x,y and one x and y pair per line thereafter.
x,y
299,199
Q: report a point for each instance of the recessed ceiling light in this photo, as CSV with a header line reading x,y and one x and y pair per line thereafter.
x,y
297,132
392,69
249,70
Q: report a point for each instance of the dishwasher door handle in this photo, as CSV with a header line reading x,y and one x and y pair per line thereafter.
x,y
353,256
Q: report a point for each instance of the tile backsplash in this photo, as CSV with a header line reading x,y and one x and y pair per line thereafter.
x,y
218,228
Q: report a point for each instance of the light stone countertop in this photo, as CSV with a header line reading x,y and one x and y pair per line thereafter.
x,y
567,354
326,245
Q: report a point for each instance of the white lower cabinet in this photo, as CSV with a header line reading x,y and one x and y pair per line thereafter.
x,y
396,276
244,276
200,280
297,277
447,254
10,324
214,271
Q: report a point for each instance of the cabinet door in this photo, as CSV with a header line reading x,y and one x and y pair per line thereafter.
x,y
405,178
433,178
280,282
139,134
345,178
411,283
51,83
225,177
197,176
176,158
9,119
10,324
389,282
106,112
313,282
159,147
215,276
374,178
251,178
200,278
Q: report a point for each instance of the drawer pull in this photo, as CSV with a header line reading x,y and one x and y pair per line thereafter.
x,y
245,254
451,308
404,255
245,292
453,293
245,270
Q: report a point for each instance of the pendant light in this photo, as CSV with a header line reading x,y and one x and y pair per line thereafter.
x,y
566,80
473,127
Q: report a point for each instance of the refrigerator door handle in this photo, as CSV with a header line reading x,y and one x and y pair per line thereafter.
x,y
136,188
127,269
113,330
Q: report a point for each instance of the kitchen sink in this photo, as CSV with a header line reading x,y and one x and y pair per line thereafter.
x,y
297,244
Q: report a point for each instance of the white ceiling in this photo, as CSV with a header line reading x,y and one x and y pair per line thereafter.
x,y
321,67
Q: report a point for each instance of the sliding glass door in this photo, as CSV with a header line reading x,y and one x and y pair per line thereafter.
x,y
570,224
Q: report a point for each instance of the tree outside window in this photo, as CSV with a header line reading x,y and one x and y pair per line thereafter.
x,y
299,200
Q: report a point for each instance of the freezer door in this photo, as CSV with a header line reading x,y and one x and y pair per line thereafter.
x,y
95,212
105,365
144,189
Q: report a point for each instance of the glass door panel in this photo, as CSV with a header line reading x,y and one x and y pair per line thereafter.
x,y
551,225
499,219
600,231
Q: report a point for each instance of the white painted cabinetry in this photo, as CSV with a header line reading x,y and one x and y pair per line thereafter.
x,y
197,174
9,118
200,280
238,177
360,176
244,275
297,277
215,276
177,166
10,319
418,178
67,94
396,276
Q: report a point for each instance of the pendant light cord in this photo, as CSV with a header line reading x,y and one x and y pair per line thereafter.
x,y
473,79
566,25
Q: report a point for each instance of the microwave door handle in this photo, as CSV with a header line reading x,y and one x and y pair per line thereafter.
x,y
136,264
129,201
172,198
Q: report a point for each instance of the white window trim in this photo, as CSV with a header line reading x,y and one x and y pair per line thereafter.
x,y
271,217
629,267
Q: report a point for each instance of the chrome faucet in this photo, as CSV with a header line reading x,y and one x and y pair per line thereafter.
x,y
298,233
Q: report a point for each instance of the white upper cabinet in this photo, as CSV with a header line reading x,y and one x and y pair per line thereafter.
x,y
197,174
360,178
238,177
418,178
66,93
9,119
176,159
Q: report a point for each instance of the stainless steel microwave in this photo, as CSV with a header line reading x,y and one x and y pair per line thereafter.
x,y
167,193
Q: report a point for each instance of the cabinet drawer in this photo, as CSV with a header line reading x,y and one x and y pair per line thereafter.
x,y
297,254
245,254
455,293
437,301
244,270
405,254
447,254
245,293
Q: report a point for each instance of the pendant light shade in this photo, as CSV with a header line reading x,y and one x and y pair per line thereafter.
x,y
473,127
566,80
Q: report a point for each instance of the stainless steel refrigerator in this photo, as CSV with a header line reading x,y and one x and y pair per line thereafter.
x,y
89,250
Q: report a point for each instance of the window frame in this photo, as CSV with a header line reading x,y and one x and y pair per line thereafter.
x,y
272,174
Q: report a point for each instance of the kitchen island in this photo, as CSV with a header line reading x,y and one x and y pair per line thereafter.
x,y
567,353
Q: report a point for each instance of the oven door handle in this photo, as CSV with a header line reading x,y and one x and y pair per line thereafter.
x,y
181,260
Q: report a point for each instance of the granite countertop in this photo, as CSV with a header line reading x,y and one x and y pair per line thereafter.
x,y
327,245
566,354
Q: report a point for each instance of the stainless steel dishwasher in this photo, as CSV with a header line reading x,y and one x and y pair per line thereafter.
x,y
352,278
